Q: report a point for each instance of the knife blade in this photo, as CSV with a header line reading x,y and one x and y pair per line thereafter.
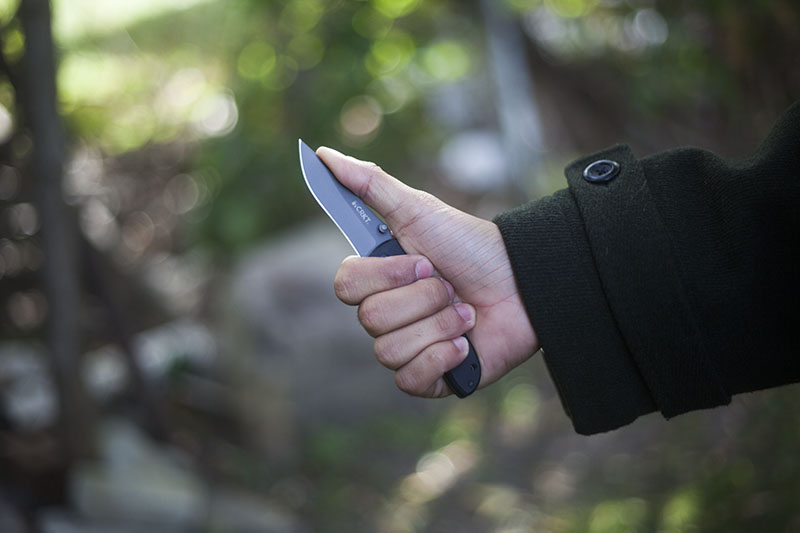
x,y
371,237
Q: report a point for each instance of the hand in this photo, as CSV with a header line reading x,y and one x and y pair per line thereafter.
x,y
417,318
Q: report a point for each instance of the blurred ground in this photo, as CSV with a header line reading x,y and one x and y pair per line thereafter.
x,y
319,439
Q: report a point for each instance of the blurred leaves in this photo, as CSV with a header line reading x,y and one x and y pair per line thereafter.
x,y
396,8
447,60
390,53
246,80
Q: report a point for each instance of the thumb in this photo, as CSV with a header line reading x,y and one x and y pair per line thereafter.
x,y
393,200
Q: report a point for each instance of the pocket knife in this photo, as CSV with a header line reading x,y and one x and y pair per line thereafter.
x,y
370,237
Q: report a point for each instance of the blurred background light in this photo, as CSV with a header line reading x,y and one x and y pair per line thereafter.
x,y
474,161
216,115
12,258
256,60
625,516
27,310
301,15
181,194
6,124
180,93
283,75
370,23
360,119
27,393
99,224
447,60
137,232
307,50
23,219
74,19
390,54
391,92
570,8
650,27
396,8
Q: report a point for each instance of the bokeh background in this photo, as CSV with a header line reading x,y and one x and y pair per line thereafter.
x,y
172,356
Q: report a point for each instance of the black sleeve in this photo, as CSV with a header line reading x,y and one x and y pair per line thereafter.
x,y
671,286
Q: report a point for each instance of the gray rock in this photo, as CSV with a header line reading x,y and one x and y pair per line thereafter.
x,y
138,485
238,511
299,336
10,520
26,388
136,482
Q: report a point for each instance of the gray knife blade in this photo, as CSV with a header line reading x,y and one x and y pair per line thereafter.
x,y
370,237
362,229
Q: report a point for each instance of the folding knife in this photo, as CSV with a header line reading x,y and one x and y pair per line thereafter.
x,y
370,237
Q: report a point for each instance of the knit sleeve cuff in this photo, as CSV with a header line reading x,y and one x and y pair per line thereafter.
x,y
599,384
634,257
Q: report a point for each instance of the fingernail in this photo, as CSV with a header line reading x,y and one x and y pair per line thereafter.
x,y
330,150
461,344
423,269
450,290
466,312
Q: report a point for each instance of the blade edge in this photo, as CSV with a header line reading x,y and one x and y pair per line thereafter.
x,y
300,146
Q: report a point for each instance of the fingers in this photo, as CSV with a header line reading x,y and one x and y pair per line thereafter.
x,y
389,310
412,315
388,196
397,348
359,277
422,376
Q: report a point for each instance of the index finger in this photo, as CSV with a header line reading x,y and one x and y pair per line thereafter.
x,y
359,277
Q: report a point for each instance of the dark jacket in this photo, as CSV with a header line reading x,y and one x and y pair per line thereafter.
x,y
670,287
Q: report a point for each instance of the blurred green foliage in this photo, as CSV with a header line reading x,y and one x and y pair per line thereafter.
x,y
242,81
717,471
246,80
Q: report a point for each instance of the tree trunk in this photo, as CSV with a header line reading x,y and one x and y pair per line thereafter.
x,y
58,233
517,110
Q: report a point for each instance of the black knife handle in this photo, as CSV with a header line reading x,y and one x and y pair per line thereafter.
x,y
385,249
463,379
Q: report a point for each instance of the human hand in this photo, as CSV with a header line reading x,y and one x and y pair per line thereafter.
x,y
416,318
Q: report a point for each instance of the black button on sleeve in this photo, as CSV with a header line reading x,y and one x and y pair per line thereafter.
x,y
638,267
601,171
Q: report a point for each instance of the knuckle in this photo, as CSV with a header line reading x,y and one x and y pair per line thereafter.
x,y
343,286
443,322
373,167
408,383
449,356
424,196
386,352
401,275
435,293
370,316
427,199
439,355
372,170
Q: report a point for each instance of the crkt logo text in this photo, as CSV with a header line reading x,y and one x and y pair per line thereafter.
x,y
362,212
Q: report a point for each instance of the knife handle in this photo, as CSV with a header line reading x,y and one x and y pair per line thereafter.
x,y
463,379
